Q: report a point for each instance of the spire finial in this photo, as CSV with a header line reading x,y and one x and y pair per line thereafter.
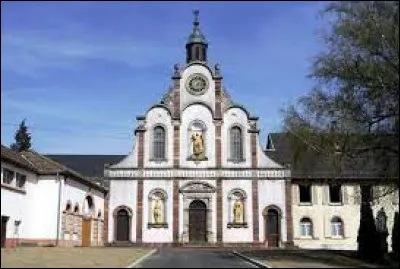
x,y
196,17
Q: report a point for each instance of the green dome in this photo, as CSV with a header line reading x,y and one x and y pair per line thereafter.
x,y
196,36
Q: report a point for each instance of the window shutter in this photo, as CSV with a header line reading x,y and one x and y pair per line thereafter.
x,y
314,193
325,194
357,195
295,194
345,195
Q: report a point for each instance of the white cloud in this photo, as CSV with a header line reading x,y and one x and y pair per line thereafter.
x,y
31,54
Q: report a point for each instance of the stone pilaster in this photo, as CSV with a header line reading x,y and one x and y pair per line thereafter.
x,y
256,230
106,210
218,98
139,211
289,219
254,159
176,143
219,211
218,143
175,211
140,133
176,93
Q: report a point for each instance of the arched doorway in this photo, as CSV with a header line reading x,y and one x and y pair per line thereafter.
x,y
122,225
272,226
197,222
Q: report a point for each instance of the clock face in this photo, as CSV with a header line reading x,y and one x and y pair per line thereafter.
x,y
197,84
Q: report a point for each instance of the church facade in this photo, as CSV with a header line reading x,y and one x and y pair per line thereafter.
x,y
197,172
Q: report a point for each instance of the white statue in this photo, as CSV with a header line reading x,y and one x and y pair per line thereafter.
x,y
157,211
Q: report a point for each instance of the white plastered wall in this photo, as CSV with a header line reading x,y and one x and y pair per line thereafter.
x,y
158,116
236,235
123,192
157,235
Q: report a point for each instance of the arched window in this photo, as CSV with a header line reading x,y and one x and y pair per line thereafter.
x,y
88,207
76,209
236,144
159,143
306,228
337,227
68,207
237,209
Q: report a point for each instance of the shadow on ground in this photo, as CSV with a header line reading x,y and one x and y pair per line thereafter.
x,y
305,258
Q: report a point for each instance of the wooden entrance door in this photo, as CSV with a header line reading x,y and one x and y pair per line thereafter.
x,y
86,232
197,222
122,225
272,228
4,221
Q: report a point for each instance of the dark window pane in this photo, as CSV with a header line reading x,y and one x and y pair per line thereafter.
x,y
8,176
21,179
236,144
305,193
335,194
159,143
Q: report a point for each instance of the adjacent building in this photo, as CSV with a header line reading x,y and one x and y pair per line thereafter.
x,y
46,203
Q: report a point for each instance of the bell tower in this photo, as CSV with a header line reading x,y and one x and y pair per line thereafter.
x,y
196,46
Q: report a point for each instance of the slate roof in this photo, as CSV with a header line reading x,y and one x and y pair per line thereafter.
x,y
311,164
91,166
43,165
16,158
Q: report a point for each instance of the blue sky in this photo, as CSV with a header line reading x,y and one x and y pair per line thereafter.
x,y
80,72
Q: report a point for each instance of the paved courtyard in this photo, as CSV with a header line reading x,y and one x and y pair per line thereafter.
x,y
54,257
194,258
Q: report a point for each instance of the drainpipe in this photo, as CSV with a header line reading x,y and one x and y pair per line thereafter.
x,y
58,208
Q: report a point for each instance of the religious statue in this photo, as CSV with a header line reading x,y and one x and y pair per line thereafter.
x,y
157,211
198,144
237,211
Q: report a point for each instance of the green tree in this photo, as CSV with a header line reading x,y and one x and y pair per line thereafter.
x,y
22,138
354,110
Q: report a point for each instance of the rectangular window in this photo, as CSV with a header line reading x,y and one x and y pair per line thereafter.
x,y
21,179
8,176
305,193
335,194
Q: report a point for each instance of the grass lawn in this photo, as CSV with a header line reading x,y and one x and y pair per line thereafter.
x,y
50,257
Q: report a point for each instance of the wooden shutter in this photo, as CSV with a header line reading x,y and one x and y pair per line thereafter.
x,y
345,196
325,194
295,194
314,194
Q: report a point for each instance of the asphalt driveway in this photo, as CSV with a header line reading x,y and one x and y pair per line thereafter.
x,y
189,258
